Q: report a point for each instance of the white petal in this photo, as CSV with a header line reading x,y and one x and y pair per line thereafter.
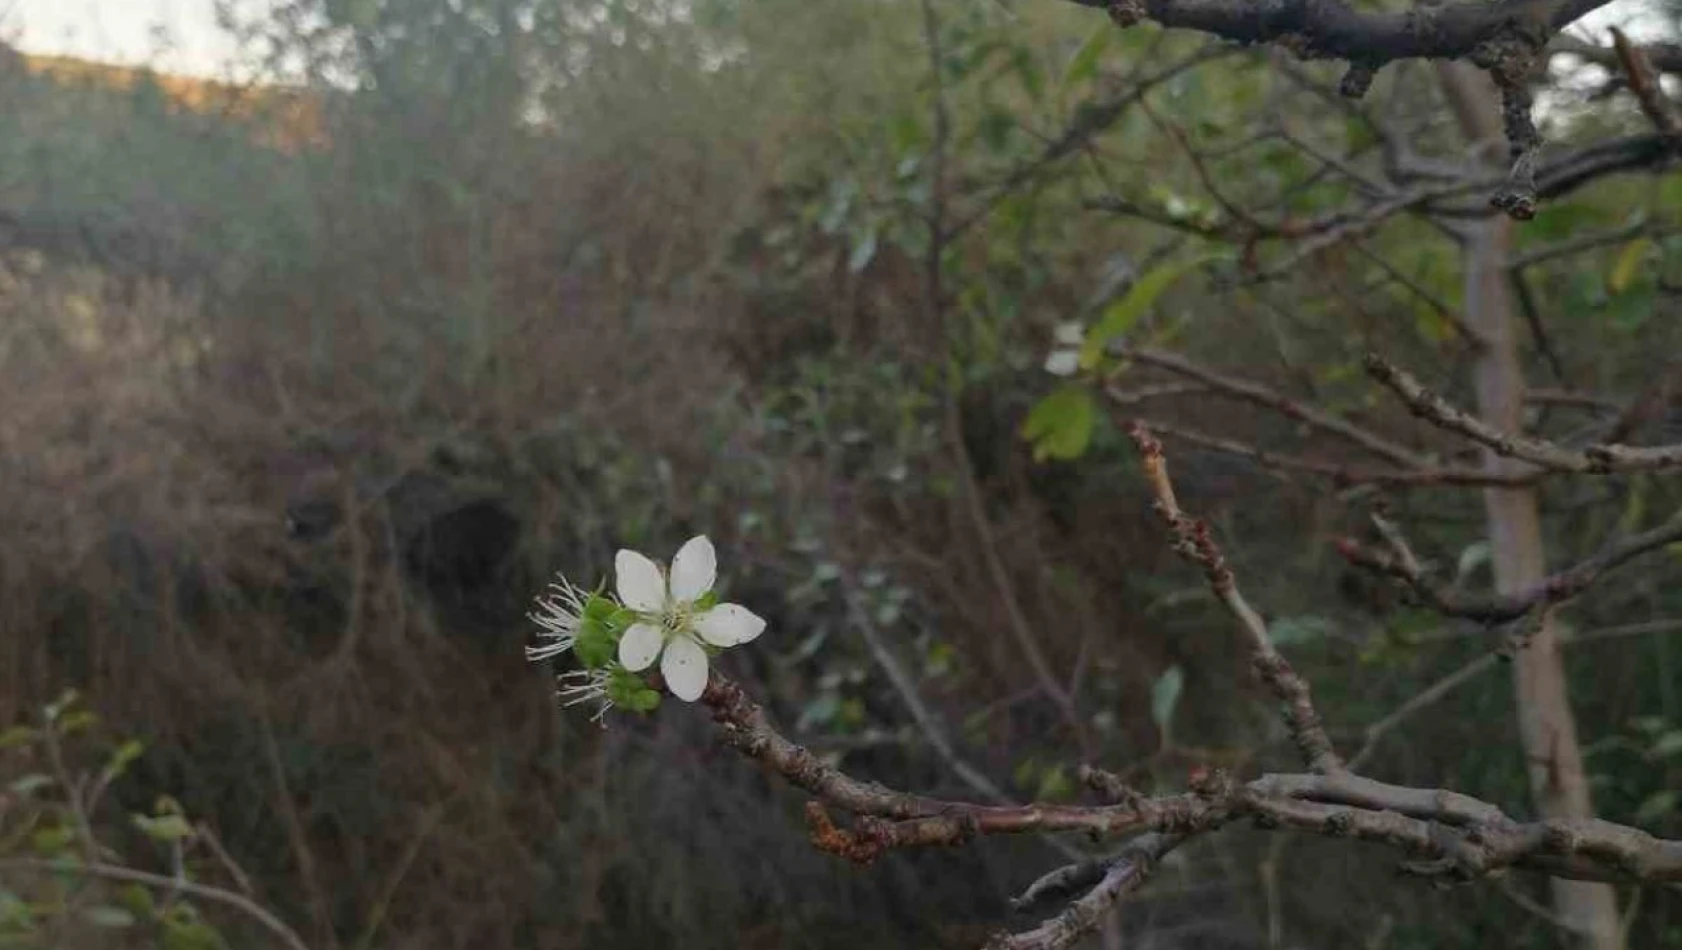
x,y
1070,333
639,646
684,665
1062,362
694,568
640,585
729,625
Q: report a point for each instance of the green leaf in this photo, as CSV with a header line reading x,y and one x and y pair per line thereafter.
x,y
1472,557
1658,805
1560,220
1084,64
1054,785
1027,69
1119,317
105,915
16,736
122,757
51,841
905,131
1060,426
56,708
24,785
1165,695
191,934
1628,263
1024,772
14,911
137,899
77,720
1667,745
995,128
1630,310
164,828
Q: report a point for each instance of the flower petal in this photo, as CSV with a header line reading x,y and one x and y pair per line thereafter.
x,y
729,625
684,665
694,569
640,585
1062,362
639,646
1070,333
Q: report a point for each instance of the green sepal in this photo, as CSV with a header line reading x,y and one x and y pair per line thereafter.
x,y
595,646
620,621
600,626
627,690
599,606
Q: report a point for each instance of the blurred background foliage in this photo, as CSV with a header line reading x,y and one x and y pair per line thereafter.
x,y
310,384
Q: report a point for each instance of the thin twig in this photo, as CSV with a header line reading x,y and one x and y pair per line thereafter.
x,y
1552,590
1426,697
933,733
1260,395
295,831
1194,540
111,872
1444,415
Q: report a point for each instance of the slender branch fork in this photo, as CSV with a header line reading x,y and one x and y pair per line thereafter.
x,y
1444,835
1506,39
1401,467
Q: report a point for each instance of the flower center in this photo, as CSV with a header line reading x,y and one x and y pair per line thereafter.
x,y
677,619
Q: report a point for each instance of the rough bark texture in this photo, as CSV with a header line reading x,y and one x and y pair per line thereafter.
x,y
1547,727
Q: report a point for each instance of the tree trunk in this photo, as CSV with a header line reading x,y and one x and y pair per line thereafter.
x,y
1547,728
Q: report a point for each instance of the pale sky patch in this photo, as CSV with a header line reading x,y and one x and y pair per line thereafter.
x,y
177,36
181,36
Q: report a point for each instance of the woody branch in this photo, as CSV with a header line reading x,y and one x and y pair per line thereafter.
x,y
1443,834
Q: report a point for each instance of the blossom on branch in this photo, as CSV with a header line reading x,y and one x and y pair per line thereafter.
x,y
678,616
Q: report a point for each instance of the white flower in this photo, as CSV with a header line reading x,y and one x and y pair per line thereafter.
x,y
584,686
669,624
1062,362
559,613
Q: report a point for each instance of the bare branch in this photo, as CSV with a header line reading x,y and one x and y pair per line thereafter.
x,y
1644,82
1429,696
1342,476
1665,57
1331,29
1194,541
240,902
1461,836
1551,590
1444,415
1260,395
1125,873
1578,245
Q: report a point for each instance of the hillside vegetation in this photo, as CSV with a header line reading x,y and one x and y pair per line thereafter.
x,y
311,386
